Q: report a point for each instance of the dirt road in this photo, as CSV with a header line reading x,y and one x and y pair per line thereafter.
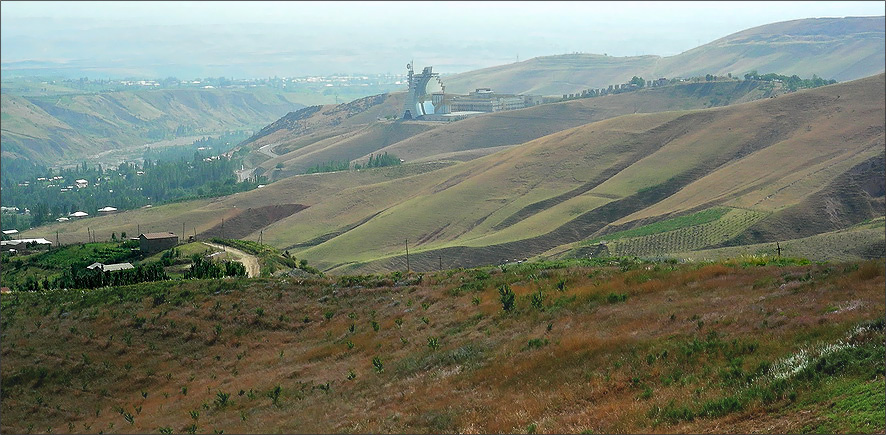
x,y
248,260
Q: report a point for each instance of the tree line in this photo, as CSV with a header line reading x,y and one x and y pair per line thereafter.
x,y
793,82
82,278
375,161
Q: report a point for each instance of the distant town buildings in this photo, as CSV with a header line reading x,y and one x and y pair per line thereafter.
x,y
18,243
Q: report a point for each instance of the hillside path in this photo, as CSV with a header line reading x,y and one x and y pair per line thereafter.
x,y
248,260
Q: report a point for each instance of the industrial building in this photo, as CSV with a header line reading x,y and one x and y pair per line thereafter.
x,y
425,103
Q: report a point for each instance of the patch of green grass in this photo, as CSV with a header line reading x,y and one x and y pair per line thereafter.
x,y
702,217
854,406
682,234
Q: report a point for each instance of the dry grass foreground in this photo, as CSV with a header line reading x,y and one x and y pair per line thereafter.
x,y
606,346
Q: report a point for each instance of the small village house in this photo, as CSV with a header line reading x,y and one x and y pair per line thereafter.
x,y
155,242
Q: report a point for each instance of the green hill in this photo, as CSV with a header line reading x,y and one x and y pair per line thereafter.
x,y
833,48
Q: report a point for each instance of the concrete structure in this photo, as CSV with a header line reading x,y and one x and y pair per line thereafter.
x,y
426,99
419,92
154,242
485,100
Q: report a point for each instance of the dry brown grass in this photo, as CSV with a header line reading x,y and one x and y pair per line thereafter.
x,y
485,376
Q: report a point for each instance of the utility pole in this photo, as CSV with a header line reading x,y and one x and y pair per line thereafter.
x,y
57,243
778,248
407,255
183,230
441,261
260,233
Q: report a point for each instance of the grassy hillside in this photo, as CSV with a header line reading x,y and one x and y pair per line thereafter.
x,y
58,129
611,345
773,162
520,126
833,48
555,75
767,156
350,132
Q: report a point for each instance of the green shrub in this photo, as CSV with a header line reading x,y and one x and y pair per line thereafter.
x,y
614,298
506,296
274,394
537,343
221,399
537,299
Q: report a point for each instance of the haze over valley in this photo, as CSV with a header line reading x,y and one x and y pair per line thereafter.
x,y
380,217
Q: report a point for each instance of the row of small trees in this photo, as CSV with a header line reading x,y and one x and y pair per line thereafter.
x,y
375,161
85,278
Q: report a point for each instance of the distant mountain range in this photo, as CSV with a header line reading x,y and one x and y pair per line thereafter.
x,y
832,48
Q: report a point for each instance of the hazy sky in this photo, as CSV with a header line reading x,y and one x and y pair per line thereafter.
x,y
259,39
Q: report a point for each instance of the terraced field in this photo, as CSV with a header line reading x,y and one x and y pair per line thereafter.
x,y
659,239
865,240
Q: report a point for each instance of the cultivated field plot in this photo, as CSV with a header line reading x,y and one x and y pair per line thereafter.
x,y
865,240
682,234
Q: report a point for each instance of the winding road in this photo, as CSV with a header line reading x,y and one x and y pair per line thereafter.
x,y
248,260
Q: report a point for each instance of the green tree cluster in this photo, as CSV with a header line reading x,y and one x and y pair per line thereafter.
x,y
793,82
127,187
378,161
202,268
82,278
